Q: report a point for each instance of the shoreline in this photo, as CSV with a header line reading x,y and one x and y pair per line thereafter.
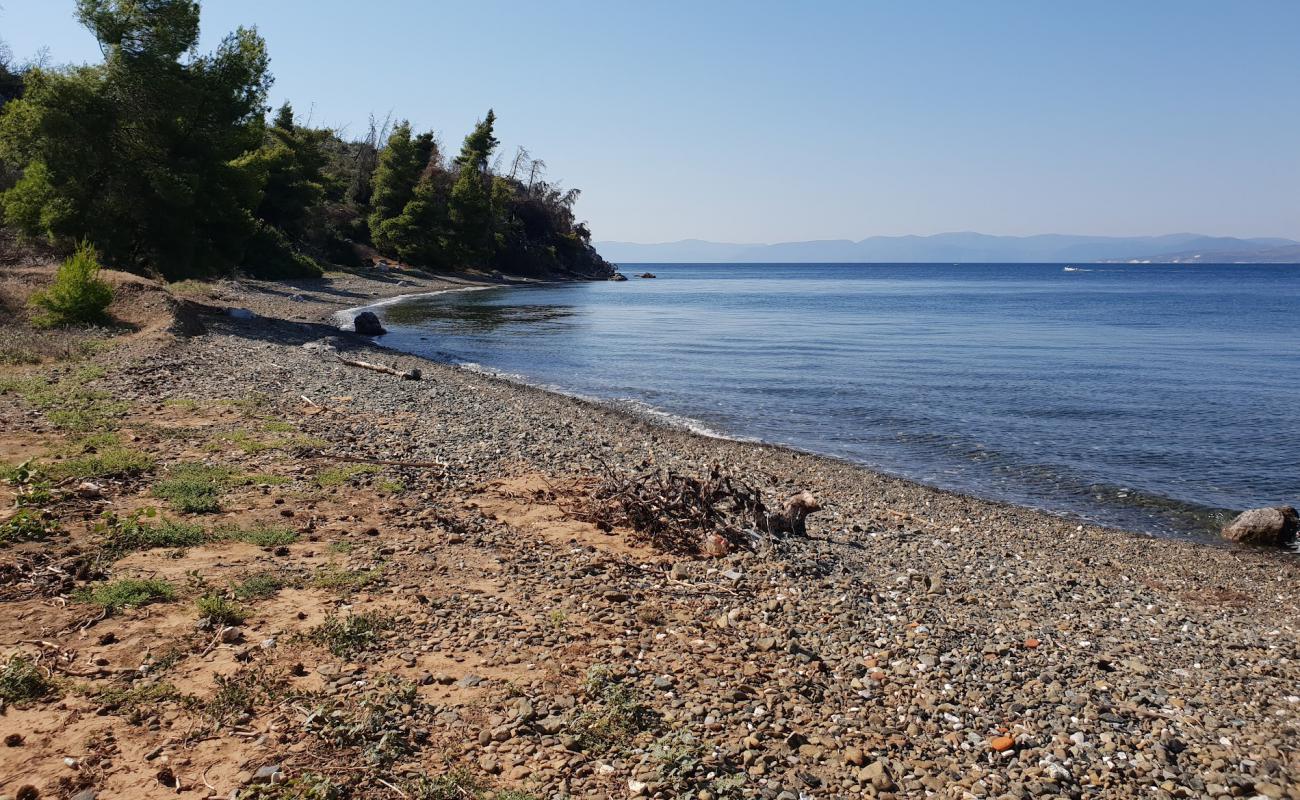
x,y
917,643
631,408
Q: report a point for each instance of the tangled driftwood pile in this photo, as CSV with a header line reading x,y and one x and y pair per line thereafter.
x,y
680,513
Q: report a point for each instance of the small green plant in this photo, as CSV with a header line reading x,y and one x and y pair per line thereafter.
x,y
556,619
617,714
259,586
136,703
390,486
99,456
347,636
194,488
304,787
30,485
278,426
191,288
219,611
78,296
261,534
21,680
685,770
26,526
341,547
345,581
458,784
69,404
182,403
128,593
242,692
252,405
338,476
128,534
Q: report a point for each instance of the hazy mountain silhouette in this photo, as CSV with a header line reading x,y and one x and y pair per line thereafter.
x,y
958,248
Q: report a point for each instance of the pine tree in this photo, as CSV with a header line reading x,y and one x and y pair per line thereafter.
x,y
395,178
140,155
470,208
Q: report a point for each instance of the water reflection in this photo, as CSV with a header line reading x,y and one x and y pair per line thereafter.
x,y
479,312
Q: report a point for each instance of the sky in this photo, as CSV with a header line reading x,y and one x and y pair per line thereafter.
x,y
753,121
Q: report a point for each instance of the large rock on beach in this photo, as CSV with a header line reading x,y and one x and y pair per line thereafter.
x,y
1273,525
367,324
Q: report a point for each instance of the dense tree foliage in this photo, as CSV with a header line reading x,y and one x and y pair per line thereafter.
x,y
162,158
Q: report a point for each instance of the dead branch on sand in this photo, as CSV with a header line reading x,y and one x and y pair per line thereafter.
x,y
678,513
406,375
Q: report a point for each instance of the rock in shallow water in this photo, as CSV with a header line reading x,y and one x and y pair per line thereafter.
x,y
1263,526
367,324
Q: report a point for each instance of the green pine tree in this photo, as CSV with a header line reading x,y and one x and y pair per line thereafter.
x,y
470,210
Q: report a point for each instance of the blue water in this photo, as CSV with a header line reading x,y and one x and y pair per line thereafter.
x,y
1151,397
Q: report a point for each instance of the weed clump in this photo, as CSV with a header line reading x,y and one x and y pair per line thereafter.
x,y
219,611
78,296
345,581
26,526
21,680
194,488
258,586
347,636
242,692
128,593
100,455
131,533
617,715
340,475
261,534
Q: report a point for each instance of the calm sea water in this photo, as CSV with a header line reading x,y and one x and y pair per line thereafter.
x,y
1144,396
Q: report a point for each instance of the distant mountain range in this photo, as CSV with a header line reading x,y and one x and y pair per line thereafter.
x,y
966,248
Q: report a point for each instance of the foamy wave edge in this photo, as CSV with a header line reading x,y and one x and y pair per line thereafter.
x,y
627,405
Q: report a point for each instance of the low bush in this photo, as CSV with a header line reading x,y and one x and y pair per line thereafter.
x,y
220,611
21,680
128,593
78,295
194,488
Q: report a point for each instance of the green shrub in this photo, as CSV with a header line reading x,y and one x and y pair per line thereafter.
x,y
128,593
78,295
338,476
261,534
345,581
221,611
194,488
259,586
130,533
21,679
109,462
26,526
347,636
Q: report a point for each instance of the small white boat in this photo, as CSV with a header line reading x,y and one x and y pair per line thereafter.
x,y
1073,269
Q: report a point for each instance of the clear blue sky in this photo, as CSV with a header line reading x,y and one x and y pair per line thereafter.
x,y
756,121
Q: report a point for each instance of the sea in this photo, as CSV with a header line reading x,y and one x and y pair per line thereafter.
x,y
1159,398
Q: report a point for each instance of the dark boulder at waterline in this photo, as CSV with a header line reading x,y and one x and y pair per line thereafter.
x,y
646,275
1274,525
367,324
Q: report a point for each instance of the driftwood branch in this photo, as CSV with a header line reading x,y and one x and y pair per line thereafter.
x,y
406,375
710,515
382,462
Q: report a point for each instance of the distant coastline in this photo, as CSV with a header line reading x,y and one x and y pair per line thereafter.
x,y
967,248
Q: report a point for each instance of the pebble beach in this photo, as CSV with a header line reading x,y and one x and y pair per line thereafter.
x,y
918,643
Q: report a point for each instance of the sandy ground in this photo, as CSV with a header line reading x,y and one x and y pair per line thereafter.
x,y
450,626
